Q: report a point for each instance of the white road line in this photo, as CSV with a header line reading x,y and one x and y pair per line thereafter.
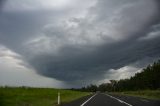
x,y
88,100
119,100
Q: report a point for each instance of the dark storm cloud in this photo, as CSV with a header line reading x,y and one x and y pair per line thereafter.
x,y
73,63
1,4
22,25
112,34
71,66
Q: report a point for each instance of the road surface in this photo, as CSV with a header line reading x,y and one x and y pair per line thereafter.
x,y
102,99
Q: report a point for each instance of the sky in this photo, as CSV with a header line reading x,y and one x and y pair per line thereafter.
x,y
73,43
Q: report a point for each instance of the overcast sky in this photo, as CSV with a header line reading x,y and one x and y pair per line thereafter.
x,y
72,43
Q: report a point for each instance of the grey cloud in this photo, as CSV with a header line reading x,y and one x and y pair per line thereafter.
x,y
1,4
15,72
126,17
23,26
71,66
84,48
154,33
74,63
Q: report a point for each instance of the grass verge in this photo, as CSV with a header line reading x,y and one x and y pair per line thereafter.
x,y
148,94
36,96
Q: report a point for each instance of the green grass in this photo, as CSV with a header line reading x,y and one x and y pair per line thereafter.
x,y
149,94
36,96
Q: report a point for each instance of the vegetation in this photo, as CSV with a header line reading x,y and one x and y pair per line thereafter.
x,y
149,94
149,78
143,83
36,96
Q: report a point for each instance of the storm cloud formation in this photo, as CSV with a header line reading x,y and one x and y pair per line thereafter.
x,y
82,42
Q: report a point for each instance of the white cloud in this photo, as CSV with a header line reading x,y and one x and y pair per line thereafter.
x,y
122,73
36,4
32,5
153,34
13,72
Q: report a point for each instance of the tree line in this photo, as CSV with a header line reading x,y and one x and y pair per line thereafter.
x,y
148,78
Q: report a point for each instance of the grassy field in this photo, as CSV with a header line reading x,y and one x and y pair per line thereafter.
x,y
149,94
36,96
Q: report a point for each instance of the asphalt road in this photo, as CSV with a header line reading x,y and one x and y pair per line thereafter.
x,y
101,99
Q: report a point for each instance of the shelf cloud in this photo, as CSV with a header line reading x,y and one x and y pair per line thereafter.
x,y
80,43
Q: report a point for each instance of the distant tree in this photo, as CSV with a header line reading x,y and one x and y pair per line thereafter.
x,y
92,88
149,78
105,87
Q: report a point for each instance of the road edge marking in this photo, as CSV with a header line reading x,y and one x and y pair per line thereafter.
x,y
119,100
88,100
